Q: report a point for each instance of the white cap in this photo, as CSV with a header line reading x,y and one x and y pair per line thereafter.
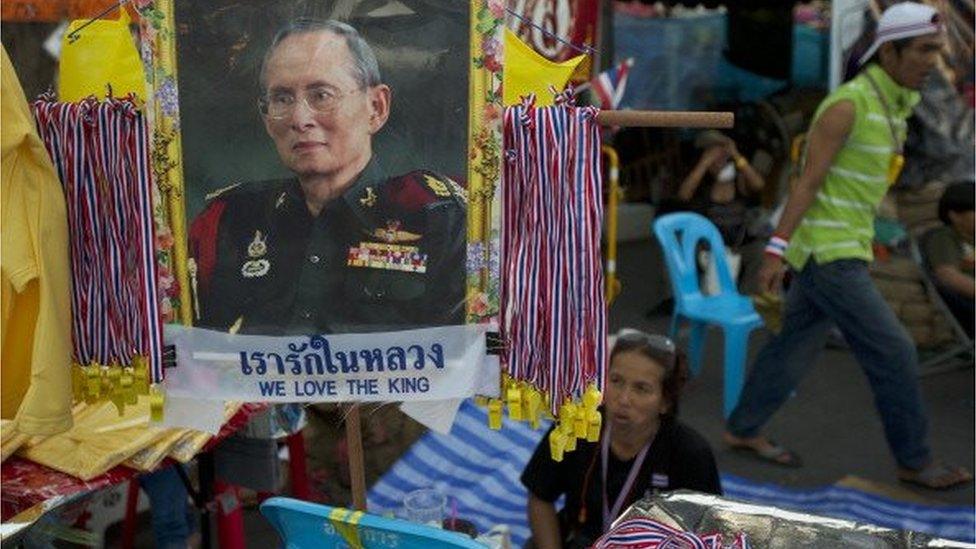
x,y
905,20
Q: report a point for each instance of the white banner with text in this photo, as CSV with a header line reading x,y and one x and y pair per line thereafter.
x,y
449,362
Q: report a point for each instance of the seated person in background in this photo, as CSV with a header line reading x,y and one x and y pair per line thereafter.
x,y
948,252
643,448
721,188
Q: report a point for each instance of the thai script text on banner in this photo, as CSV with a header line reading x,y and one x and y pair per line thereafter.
x,y
426,364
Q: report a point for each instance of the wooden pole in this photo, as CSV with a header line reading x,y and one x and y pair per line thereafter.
x,y
666,119
357,469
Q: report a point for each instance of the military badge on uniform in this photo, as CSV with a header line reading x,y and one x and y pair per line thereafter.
x,y
257,266
393,257
392,233
370,199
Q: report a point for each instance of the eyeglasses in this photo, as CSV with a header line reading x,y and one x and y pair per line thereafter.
x,y
323,100
659,343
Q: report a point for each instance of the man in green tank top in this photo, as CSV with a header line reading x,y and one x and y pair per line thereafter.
x,y
854,153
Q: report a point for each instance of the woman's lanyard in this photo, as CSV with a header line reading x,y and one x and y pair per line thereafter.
x,y
898,160
610,514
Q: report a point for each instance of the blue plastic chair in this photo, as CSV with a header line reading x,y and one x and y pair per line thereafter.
x,y
679,235
304,525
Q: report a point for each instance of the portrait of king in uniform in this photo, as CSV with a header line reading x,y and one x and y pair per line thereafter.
x,y
342,245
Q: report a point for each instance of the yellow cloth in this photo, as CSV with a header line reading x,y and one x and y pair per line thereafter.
x,y
99,440
35,329
528,72
10,439
103,55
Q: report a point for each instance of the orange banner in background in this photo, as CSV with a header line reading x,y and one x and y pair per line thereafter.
x,y
53,11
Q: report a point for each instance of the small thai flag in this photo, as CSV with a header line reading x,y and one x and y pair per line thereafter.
x,y
607,89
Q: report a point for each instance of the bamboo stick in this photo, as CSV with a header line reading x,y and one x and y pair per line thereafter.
x,y
666,119
357,469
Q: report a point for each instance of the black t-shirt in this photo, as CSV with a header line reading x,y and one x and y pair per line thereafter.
x,y
679,458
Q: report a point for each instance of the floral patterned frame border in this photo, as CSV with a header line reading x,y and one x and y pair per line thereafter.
x,y
157,26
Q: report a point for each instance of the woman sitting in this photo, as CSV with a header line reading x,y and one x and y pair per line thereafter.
x,y
643,449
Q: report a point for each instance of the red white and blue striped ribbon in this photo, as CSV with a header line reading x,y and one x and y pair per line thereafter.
x,y
60,126
100,150
553,308
645,533
152,314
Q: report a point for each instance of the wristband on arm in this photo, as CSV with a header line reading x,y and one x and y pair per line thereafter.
x,y
776,246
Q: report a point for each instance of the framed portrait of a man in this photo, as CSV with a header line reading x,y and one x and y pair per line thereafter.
x,y
335,161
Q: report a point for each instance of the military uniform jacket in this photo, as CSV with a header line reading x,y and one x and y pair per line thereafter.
x,y
387,255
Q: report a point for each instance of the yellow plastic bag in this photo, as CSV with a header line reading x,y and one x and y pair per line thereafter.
x,y
193,441
103,55
528,72
151,456
99,440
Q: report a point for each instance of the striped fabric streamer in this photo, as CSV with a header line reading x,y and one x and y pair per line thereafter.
x,y
645,533
553,309
101,152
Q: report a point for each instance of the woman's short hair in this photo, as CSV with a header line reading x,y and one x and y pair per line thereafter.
x,y
663,351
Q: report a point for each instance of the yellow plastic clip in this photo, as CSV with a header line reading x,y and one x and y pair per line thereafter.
x,y
557,444
495,414
592,398
140,375
579,421
532,406
93,383
481,401
567,418
113,388
77,381
113,374
514,398
156,401
128,389
594,420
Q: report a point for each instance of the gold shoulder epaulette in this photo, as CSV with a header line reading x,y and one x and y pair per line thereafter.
x,y
214,194
445,186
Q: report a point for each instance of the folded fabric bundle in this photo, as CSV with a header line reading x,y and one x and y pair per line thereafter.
x,y
10,439
99,440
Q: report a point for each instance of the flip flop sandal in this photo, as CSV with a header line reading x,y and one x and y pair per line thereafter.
x,y
930,476
774,454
